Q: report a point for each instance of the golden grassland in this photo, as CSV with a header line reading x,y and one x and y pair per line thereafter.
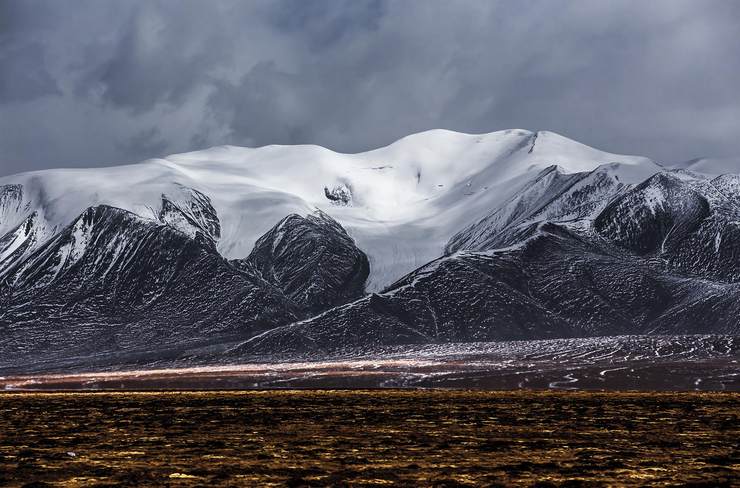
x,y
369,438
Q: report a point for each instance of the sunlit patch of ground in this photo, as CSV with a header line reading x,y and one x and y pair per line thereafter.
x,y
368,438
481,372
649,363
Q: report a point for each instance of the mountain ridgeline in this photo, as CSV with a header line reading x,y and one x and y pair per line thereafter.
x,y
538,237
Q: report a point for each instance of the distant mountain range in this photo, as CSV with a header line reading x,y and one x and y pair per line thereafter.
x,y
440,237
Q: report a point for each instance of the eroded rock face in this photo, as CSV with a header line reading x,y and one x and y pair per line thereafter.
x,y
115,283
655,216
312,260
692,224
192,213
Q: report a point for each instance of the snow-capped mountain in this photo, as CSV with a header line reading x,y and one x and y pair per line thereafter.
x,y
440,237
400,203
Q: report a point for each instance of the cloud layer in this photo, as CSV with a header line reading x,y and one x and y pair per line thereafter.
x,y
103,82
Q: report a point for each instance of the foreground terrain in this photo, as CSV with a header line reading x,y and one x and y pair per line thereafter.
x,y
368,438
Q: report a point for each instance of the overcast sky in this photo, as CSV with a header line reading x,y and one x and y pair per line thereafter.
x,y
89,83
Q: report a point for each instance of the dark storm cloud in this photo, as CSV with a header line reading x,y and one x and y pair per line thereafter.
x,y
24,74
148,141
160,56
100,82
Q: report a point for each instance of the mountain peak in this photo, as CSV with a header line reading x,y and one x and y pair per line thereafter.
x,y
425,186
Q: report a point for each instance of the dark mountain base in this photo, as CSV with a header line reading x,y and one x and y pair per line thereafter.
x,y
559,283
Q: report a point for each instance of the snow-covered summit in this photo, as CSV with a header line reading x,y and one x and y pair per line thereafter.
x,y
401,203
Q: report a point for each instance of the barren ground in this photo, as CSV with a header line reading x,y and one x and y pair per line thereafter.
x,y
369,438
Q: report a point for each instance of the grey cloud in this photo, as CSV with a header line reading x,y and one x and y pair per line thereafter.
x,y
656,78
325,23
148,141
24,74
160,57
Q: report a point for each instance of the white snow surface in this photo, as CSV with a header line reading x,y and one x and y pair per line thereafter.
x,y
713,166
408,198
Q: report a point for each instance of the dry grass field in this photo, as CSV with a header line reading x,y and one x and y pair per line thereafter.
x,y
369,438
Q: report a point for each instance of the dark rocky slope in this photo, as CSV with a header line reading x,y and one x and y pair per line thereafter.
x,y
312,260
693,224
113,281
661,257
551,196
556,285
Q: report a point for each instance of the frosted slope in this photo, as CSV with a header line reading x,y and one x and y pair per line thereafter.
x,y
714,166
404,201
